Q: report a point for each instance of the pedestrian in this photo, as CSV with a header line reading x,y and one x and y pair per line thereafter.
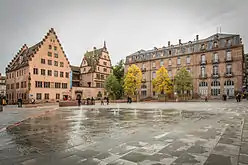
x,y
102,102
127,99
107,99
79,102
92,101
206,98
239,97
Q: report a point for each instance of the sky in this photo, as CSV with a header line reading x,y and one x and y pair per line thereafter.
x,y
126,25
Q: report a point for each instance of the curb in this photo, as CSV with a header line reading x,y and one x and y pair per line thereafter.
x,y
30,117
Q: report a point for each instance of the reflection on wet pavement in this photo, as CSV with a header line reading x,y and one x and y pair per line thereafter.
x,y
118,136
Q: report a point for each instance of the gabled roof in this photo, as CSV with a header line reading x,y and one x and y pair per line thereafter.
x,y
27,53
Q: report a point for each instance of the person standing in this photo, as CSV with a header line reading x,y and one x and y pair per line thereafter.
x,y
107,99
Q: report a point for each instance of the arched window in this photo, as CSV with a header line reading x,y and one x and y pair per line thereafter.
x,y
215,88
203,88
229,87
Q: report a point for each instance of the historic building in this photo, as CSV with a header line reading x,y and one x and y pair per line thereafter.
x,y
2,85
246,71
216,64
40,72
94,69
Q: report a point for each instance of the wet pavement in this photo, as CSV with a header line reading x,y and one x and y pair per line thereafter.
x,y
212,133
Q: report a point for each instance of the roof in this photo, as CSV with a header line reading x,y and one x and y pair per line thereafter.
x,y
75,68
92,58
211,38
25,53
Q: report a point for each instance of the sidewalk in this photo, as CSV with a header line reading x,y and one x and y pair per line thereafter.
x,y
12,115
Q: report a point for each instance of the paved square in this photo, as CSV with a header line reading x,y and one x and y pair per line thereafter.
x,y
198,133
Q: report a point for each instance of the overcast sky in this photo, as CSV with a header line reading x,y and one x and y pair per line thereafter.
x,y
126,25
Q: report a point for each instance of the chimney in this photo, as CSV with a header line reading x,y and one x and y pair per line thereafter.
x,y
0,74
197,37
180,41
168,43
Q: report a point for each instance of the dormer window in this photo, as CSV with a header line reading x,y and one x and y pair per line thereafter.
x,y
215,44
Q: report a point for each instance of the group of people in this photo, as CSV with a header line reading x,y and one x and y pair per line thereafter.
x,y
107,101
87,102
238,97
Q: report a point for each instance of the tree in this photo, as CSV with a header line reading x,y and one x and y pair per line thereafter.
x,y
118,70
183,81
132,80
112,86
162,83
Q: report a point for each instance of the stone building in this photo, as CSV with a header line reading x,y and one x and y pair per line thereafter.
x,y
2,85
40,72
216,64
94,69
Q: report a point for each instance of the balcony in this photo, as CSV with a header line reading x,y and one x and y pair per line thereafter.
x,y
229,74
215,61
203,76
228,59
203,62
215,75
143,69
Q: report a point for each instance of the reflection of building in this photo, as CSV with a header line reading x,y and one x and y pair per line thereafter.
x,y
214,62
41,72
94,69
2,85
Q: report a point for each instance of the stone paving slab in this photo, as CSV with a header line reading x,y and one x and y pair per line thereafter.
x,y
212,134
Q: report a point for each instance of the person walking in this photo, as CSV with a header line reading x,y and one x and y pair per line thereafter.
x,y
79,102
107,99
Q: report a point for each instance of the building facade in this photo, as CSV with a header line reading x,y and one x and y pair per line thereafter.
x,y
40,72
88,79
2,85
246,71
216,64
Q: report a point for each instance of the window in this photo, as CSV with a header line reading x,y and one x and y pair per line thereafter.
x,y
17,85
153,75
105,69
104,63
49,72
153,65
203,70
98,76
188,60
46,84
67,75
178,61
49,62
203,58
188,69
35,71
50,46
215,44
143,66
16,74
38,96
57,85
228,55
24,84
202,46
43,61
43,72
97,68
55,73
84,69
57,96
56,55
169,52
61,74
215,57
229,68
169,62
12,86
64,85
38,84
215,70
61,64
161,62
46,96
102,77
7,86
215,88
55,48
169,73
49,54
55,63
98,85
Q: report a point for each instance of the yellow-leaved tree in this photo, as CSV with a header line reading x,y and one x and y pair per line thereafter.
x,y
162,83
132,80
